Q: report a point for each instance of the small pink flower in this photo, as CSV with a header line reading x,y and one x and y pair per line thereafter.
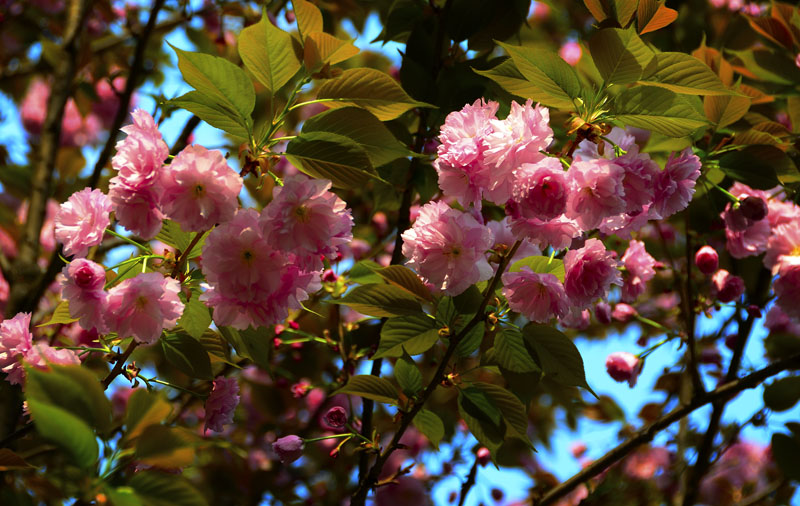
x,y
515,140
289,448
707,260
781,212
105,109
447,248
556,233
644,463
15,341
141,154
570,52
336,417
40,355
221,403
640,174
82,286
624,366
726,286
81,221
540,190
787,288
578,319
778,322
538,297
590,272
745,237
597,192
484,456
47,237
306,219
639,270
460,154
784,242
674,186
144,306
199,189
137,210
623,312
602,312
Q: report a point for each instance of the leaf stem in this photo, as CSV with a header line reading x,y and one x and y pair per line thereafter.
x,y
129,241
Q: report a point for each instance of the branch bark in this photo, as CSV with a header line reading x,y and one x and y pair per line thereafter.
x,y
647,434
25,272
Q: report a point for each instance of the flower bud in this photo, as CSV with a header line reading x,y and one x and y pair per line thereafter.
x,y
707,260
727,286
602,311
754,208
289,448
497,494
329,276
624,366
336,417
623,312
484,456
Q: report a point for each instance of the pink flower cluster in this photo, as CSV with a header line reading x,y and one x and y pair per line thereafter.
x,y
197,190
763,222
16,345
260,265
141,306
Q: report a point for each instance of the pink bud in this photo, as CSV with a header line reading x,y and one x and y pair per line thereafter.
x,y
754,208
624,366
727,286
300,389
289,448
329,276
754,311
336,417
277,342
577,449
707,260
497,494
602,311
484,455
623,312
293,325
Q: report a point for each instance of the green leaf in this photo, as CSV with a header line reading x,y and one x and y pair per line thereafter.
x,y
546,71
769,65
166,447
309,18
252,344
72,388
408,376
725,109
556,355
785,450
268,53
510,352
362,127
65,430
165,489
368,89
60,315
122,496
514,413
620,55
481,400
381,301
471,341
782,394
324,49
541,265
431,426
756,166
683,73
196,317
403,277
331,156
214,113
363,273
511,79
145,408
187,355
220,80
414,333
370,387
489,433
659,110
173,235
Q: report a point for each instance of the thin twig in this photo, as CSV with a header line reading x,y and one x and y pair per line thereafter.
x,y
120,365
647,434
469,483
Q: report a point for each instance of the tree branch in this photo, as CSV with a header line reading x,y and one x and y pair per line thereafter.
x,y
120,365
131,84
25,272
647,434
360,496
469,483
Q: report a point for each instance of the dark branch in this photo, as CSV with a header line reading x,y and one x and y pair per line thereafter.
x,y
724,392
469,483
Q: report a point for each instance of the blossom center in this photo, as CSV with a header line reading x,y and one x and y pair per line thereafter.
x,y
199,191
247,256
302,214
796,251
141,302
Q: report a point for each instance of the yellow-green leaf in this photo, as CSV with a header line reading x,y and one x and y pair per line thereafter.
x,y
683,73
370,387
267,52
